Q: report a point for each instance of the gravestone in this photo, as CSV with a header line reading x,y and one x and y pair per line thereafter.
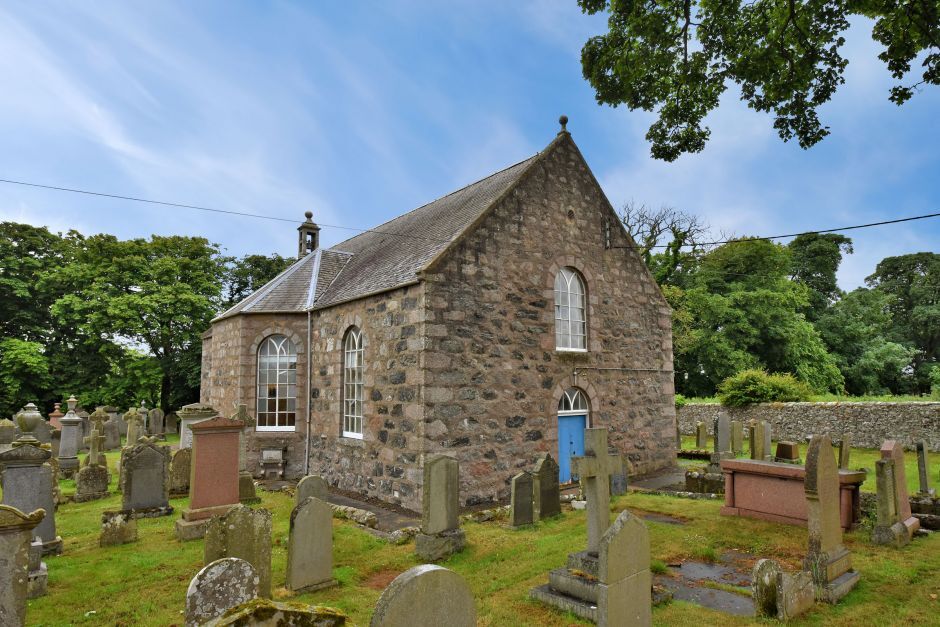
x,y
845,450
38,575
264,613
16,535
893,450
43,431
117,528
28,479
217,588
737,437
310,546
440,534
595,468
547,492
192,414
522,503
134,426
829,562
92,480
112,436
171,422
86,426
246,483
114,415
426,596
155,422
778,594
722,428
923,469
246,534
701,436
96,423
788,453
213,487
760,439
7,434
70,440
888,527
311,485
180,468
145,480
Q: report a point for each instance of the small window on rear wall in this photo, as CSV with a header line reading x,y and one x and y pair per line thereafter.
x,y
352,384
277,384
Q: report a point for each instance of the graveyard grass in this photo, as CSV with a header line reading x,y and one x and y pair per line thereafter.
x,y
145,583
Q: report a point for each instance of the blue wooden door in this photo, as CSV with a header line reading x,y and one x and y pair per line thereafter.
x,y
570,443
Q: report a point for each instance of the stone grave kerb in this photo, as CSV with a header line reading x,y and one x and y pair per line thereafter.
x,y
594,469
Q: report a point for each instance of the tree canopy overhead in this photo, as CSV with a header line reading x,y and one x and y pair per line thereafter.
x,y
677,57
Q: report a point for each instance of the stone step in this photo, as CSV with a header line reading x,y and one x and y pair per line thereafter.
x,y
584,561
547,595
572,585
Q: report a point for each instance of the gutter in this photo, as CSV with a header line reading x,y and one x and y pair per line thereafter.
x,y
309,398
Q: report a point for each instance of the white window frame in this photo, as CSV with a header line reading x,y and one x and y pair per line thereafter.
x,y
575,397
566,333
353,397
277,351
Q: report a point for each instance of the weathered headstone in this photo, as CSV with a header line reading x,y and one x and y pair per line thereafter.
x,y
171,422
701,436
7,434
86,427
246,483
16,534
92,480
219,587
114,415
70,440
624,575
43,431
788,453
845,450
760,437
311,485
244,533
213,487
96,423
424,596
737,437
180,469
145,480
522,500
827,560
440,535
547,492
778,594
888,527
38,572
134,424
192,414
264,613
117,528
891,449
594,468
310,546
722,429
28,481
112,436
923,469
155,421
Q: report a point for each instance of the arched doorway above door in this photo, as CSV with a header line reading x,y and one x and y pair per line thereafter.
x,y
573,419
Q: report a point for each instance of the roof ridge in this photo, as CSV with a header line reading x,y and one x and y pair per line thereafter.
x,y
468,185
314,277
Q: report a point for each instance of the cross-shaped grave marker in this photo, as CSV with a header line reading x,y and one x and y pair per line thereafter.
x,y
94,442
595,469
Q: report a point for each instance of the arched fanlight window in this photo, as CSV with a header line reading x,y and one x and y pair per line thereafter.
x,y
352,384
572,400
277,384
570,319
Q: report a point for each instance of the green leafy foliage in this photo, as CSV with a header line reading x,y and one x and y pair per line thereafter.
x,y
757,386
24,374
815,258
935,382
677,57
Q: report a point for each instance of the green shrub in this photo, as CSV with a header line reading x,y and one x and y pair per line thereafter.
x,y
680,401
757,386
934,384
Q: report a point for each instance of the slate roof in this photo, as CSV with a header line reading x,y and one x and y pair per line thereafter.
x,y
386,257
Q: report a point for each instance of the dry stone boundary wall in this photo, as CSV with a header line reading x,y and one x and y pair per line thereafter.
x,y
869,423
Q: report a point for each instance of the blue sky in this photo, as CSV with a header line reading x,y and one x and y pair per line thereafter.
x,y
362,111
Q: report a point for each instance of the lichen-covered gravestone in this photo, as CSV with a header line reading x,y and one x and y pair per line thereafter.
x,y
522,506
16,532
246,534
180,467
923,469
264,613
155,421
894,505
311,485
112,435
440,535
547,492
217,588
737,437
624,577
134,426
778,594
845,451
92,480
145,480
701,436
117,528
426,596
310,546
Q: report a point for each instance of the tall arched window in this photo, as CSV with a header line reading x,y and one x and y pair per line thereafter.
x,y
570,319
352,384
277,384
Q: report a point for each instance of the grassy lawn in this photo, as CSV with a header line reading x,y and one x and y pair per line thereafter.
x,y
145,583
860,458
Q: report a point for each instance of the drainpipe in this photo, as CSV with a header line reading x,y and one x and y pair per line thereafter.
x,y
308,402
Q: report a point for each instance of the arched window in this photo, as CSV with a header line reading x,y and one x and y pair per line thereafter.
x,y
572,401
570,321
352,384
277,384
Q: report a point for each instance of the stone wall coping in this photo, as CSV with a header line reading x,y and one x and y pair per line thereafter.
x,y
784,471
819,403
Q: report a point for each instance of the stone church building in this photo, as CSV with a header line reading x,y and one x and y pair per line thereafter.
x,y
493,324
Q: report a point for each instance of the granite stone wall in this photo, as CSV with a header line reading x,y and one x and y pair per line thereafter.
x,y
493,376
869,423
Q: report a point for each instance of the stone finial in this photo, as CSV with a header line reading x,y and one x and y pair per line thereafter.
x,y
28,419
72,403
563,120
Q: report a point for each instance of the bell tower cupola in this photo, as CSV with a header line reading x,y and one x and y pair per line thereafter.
x,y
309,236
